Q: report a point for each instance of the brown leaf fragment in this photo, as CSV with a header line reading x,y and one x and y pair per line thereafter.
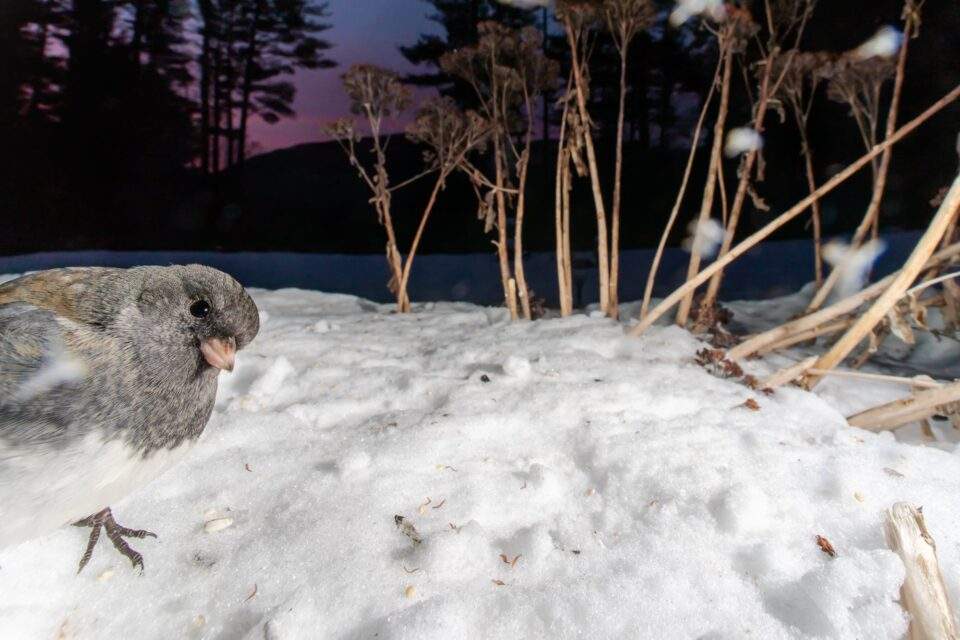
x,y
407,529
499,583
247,467
439,504
826,547
508,561
751,404
252,593
893,472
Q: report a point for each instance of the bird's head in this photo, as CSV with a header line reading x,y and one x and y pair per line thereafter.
x,y
193,313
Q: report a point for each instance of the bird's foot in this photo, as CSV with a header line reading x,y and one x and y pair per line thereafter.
x,y
116,533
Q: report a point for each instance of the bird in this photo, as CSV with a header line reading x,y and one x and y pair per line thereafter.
x,y
108,377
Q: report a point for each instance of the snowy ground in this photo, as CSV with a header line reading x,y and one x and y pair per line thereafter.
x,y
565,481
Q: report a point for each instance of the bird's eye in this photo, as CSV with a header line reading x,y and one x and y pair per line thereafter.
x,y
200,309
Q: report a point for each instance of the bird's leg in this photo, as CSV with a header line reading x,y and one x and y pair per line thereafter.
x,y
116,533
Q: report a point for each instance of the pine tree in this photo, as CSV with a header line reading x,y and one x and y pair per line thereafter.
x,y
249,48
459,20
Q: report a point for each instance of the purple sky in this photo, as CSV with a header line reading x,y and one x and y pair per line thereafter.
x,y
363,31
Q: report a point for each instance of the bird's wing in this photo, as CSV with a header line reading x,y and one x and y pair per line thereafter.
x,y
28,336
55,290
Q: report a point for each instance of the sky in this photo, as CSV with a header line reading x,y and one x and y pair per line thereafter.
x,y
363,31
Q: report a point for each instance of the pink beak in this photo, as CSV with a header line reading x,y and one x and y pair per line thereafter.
x,y
219,353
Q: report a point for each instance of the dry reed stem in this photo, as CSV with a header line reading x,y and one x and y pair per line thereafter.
x,y
923,594
872,217
916,382
917,406
603,260
788,374
808,334
408,263
518,270
560,199
716,153
761,342
763,233
655,266
914,266
739,198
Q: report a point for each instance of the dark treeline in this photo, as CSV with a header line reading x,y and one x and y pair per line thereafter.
x,y
125,125
117,116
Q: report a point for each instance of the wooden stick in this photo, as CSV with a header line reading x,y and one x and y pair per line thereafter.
x,y
905,277
918,406
749,242
923,593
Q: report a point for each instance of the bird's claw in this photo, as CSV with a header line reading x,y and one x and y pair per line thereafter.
x,y
116,533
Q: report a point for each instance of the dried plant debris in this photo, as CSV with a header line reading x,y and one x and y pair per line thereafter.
x,y
826,547
507,560
751,404
892,472
407,529
499,583
716,362
252,593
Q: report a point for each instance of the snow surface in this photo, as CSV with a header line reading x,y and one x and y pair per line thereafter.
x,y
564,481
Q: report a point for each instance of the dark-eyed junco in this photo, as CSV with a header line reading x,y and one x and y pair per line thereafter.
x,y
107,377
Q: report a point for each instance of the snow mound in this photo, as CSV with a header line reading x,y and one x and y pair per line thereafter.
x,y
553,480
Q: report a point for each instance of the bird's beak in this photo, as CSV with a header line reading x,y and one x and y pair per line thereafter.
x,y
219,353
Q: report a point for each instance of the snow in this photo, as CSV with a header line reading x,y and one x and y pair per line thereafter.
x,y
563,480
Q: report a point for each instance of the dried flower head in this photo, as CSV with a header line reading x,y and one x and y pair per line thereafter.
x,y
626,18
448,132
374,89
342,129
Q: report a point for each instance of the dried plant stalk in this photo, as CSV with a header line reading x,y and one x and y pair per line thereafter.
x,y
809,334
508,71
923,594
716,152
578,17
625,19
791,15
915,264
562,212
790,214
767,341
788,374
375,93
918,406
874,82
694,145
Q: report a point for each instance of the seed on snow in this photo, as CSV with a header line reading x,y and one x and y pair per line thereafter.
x,y
217,524
410,591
